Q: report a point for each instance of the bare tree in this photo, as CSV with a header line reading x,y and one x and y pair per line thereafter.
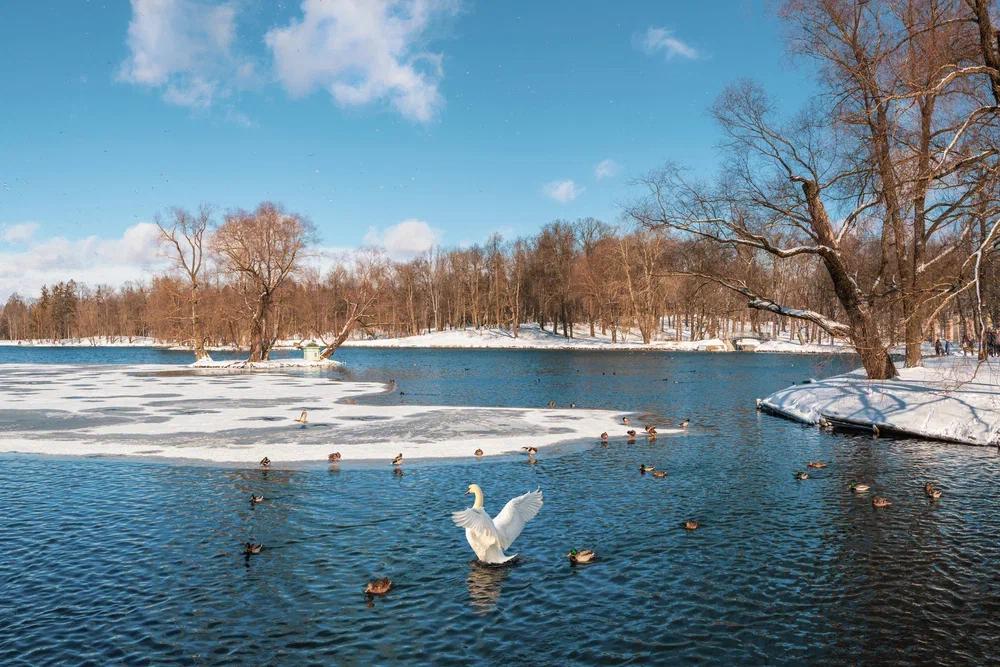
x,y
262,248
183,234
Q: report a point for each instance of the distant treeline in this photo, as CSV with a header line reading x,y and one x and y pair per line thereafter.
x,y
570,275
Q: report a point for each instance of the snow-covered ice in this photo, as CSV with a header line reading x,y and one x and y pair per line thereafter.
x,y
234,416
949,398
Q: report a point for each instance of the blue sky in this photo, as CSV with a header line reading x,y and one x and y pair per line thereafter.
x,y
470,117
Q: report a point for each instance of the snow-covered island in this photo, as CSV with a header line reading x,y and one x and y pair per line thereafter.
x,y
949,398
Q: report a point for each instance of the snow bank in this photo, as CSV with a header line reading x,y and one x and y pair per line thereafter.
x,y
95,341
788,347
172,412
530,337
950,398
269,365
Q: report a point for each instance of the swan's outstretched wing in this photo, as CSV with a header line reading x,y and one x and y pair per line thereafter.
x,y
477,521
517,512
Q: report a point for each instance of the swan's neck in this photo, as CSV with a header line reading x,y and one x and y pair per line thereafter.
x,y
478,505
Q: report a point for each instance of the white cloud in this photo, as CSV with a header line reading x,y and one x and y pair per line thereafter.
x,y
185,49
657,40
90,260
562,191
404,241
18,233
363,51
606,169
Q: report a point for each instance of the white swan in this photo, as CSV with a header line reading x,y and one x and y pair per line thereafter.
x,y
489,537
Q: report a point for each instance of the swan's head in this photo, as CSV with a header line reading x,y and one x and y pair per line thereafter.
x,y
478,493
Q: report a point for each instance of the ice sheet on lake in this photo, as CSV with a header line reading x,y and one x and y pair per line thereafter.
x,y
244,416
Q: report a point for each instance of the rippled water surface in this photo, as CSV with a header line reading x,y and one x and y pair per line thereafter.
x,y
122,561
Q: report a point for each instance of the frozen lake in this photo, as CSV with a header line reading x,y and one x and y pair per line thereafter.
x,y
118,560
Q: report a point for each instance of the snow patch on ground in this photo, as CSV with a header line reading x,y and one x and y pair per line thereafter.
x,y
532,337
175,412
949,398
269,365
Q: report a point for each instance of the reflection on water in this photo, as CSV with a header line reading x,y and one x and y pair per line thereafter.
x,y
485,583
124,562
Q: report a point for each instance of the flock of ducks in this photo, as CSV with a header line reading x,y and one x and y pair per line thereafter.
x,y
577,556
878,502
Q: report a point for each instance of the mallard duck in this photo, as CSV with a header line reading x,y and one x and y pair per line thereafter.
x,y
398,459
251,549
581,556
879,501
530,450
256,499
303,417
378,586
265,462
333,458
625,421
659,474
643,468
478,452
816,464
604,437
690,524
800,475
858,487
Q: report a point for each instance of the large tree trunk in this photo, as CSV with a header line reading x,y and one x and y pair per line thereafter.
x,y
260,342
864,329
197,330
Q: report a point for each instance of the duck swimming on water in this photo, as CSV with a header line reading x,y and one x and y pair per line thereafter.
x,y
581,556
398,459
254,500
378,586
251,549
265,462
334,457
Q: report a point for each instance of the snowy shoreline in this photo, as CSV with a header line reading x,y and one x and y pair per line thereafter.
x,y
530,337
955,399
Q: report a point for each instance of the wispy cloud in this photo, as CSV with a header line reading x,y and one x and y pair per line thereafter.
x,y
92,260
562,191
606,169
661,40
363,51
21,232
406,240
184,49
